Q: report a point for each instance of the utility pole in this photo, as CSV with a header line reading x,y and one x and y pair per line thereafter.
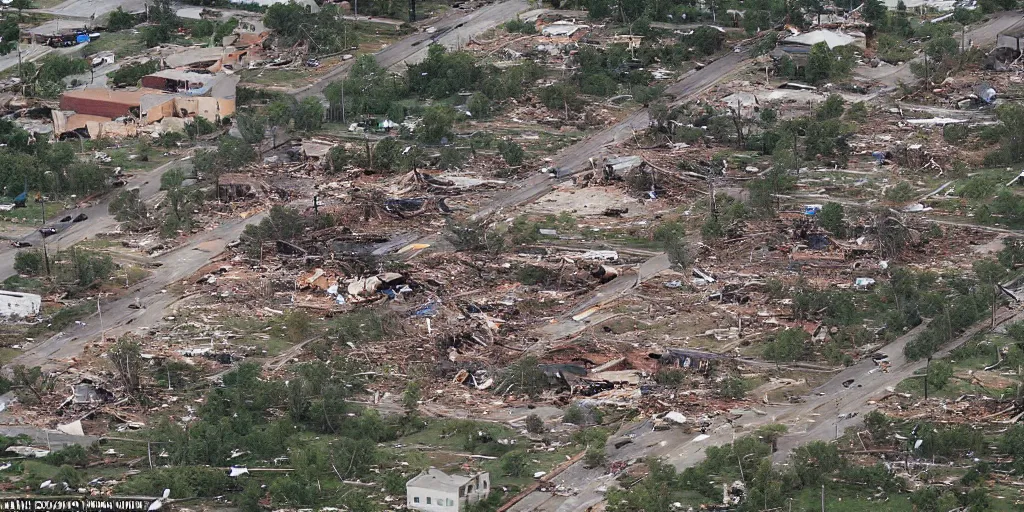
x,y
822,497
927,368
412,11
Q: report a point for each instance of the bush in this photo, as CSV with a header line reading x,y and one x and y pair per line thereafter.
x,y
86,268
130,75
73,455
788,345
939,373
595,457
901,193
514,463
518,26
832,219
512,153
472,236
534,424
857,112
574,414
29,262
956,133
733,387
120,20
534,275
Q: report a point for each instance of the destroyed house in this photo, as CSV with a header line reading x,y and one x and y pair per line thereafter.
x,y
686,358
236,187
434,490
189,83
1010,38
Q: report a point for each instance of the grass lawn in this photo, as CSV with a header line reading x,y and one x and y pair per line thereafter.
x,y
123,44
33,213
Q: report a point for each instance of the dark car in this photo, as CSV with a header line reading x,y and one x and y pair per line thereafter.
x,y
80,217
66,219
19,244
47,231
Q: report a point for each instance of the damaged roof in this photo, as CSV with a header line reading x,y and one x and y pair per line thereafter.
x,y
832,38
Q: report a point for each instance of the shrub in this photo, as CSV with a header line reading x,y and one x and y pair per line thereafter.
x,y
574,414
534,424
956,133
518,26
514,463
29,262
901,193
130,75
512,153
788,345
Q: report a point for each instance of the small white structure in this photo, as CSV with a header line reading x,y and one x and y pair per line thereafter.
x,y
310,5
19,305
435,491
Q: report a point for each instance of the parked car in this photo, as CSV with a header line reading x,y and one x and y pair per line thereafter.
x,y
47,231
80,217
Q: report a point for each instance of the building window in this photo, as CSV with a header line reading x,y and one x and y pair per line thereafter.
x,y
428,500
484,484
470,488
449,502
416,499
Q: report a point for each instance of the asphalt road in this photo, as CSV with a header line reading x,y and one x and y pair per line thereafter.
x,y
151,293
983,35
815,419
578,157
99,220
87,9
451,30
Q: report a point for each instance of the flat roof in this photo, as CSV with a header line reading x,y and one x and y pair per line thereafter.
x,y
185,75
1015,31
123,96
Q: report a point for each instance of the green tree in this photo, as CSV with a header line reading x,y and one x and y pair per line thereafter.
x,y
875,11
515,463
129,208
831,108
820,64
309,115
9,35
658,491
534,424
437,123
29,262
788,345
832,218
87,268
120,20
126,357
705,40
252,126
411,397
990,273
765,191
479,106
1010,132
926,499
512,153
939,373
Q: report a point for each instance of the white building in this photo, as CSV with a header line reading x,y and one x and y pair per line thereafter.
x,y
19,305
435,491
